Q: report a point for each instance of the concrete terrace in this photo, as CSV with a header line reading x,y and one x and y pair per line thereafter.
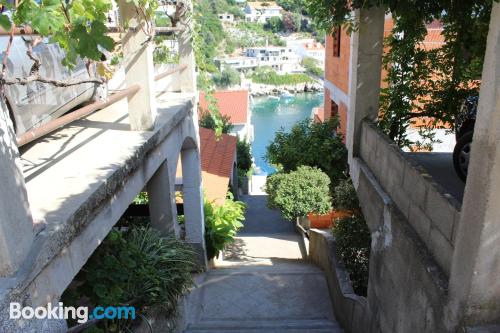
x,y
67,189
263,283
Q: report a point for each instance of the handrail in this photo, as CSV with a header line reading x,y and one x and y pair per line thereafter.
x,y
168,30
27,30
170,72
75,115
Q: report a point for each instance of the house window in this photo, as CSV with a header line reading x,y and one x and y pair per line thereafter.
x,y
334,110
336,42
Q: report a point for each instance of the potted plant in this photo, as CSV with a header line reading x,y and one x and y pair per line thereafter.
x,y
299,192
345,204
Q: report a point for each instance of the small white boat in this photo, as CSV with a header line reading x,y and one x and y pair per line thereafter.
x,y
286,95
273,97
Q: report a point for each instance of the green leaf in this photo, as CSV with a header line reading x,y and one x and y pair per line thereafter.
x,y
5,22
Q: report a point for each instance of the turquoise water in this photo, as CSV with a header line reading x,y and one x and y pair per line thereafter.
x,y
269,115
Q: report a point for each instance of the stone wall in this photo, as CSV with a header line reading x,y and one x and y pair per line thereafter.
x,y
431,212
412,223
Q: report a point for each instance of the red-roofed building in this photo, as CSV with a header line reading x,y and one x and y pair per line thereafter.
x,y
218,165
234,104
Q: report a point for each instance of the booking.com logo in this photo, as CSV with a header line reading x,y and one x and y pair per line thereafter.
x,y
80,314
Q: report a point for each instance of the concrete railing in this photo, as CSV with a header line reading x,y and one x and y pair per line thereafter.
x,y
432,212
350,309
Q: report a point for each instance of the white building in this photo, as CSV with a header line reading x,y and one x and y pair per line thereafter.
x,y
226,17
261,11
313,50
241,64
308,48
281,59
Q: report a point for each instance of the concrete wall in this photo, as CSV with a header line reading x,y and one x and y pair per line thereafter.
x,y
350,309
431,212
407,290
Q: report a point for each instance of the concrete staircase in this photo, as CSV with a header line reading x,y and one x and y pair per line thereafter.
x,y
248,292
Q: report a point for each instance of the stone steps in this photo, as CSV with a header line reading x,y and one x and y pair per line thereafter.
x,y
265,326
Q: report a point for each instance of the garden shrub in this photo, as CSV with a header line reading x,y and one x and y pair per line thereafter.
x,y
227,78
312,66
310,143
353,241
222,222
303,191
243,156
345,196
139,267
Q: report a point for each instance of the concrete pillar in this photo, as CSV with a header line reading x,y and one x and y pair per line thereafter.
x,y
365,73
192,193
162,208
186,51
475,271
16,223
139,68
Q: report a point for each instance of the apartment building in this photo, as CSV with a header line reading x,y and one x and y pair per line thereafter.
x,y
261,12
337,63
281,59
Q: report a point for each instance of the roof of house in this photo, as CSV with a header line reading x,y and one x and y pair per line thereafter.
x,y
313,46
217,162
263,5
318,114
231,103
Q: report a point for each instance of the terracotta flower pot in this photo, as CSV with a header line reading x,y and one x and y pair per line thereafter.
x,y
327,220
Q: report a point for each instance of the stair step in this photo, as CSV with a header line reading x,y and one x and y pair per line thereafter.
x,y
264,326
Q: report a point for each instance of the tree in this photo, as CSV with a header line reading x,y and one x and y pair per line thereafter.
x,y
274,24
78,27
425,85
312,144
244,156
227,78
291,22
300,192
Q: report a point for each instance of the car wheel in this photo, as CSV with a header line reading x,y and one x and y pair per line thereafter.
x,y
461,155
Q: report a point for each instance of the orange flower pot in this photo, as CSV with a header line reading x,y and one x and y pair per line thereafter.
x,y
327,221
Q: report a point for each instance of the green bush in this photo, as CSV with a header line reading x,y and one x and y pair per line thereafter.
x,y
313,144
299,192
222,222
139,268
227,78
312,67
274,24
269,76
345,196
215,121
353,241
141,199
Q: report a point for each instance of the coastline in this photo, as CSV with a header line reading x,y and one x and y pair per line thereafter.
x,y
257,89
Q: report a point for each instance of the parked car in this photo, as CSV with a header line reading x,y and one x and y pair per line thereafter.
x,y
464,131
35,104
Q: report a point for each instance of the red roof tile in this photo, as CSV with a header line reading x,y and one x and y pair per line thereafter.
x,y
231,103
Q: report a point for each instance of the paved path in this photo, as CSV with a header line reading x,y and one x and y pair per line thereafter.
x,y
263,284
